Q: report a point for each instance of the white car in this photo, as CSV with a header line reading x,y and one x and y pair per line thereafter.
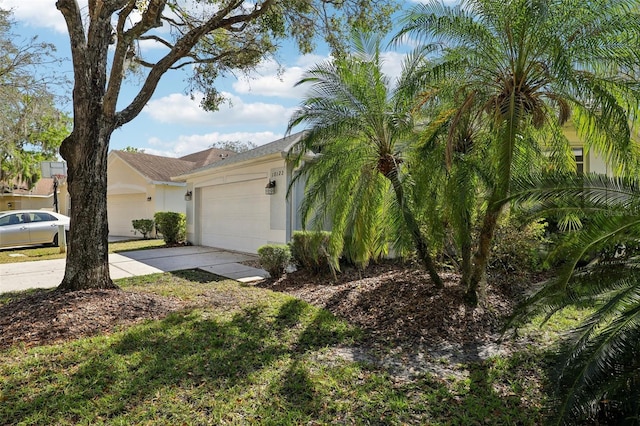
x,y
30,227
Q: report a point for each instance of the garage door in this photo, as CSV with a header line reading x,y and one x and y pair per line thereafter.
x,y
122,209
234,216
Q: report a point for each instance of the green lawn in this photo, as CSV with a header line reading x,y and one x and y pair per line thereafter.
x,y
244,355
48,253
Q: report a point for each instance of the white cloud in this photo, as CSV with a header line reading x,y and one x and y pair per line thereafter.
x,y
178,108
188,144
392,64
38,13
272,80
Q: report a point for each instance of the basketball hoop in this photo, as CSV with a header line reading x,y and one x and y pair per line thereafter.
x,y
58,179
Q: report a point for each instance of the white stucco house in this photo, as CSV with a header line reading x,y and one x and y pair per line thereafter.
x,y
241,203
139,185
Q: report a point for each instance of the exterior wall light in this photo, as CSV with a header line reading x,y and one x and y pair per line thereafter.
x,y
148,198
188,196
270,189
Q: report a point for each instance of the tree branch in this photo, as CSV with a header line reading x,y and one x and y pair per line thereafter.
x,y
158,39
182,48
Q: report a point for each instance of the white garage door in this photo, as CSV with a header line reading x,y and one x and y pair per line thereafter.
x,y
234,216
122,209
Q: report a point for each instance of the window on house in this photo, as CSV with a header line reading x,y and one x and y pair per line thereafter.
x,y
578,155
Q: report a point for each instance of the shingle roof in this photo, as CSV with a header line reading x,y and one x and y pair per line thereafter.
x,y
160,169
281,145
155,167
207,156
44,187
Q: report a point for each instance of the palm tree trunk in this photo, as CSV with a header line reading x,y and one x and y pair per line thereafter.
x,y
466,267
477,284
420,242
478,279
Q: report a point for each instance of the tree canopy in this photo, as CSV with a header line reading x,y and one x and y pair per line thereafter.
x,y
31,125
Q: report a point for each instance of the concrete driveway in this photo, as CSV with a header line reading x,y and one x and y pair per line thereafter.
x,y
49,273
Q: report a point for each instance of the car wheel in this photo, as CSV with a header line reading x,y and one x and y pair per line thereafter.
x,y
55,239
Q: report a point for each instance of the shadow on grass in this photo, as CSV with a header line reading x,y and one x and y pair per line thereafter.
x,y
251,367
106,379
198,275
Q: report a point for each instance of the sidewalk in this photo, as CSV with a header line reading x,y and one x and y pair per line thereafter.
x,y
49,273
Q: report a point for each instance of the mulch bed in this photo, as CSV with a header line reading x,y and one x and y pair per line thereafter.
x,y
395,304
51,316
398,305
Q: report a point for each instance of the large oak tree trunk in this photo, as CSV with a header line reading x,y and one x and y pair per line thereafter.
x,y
86,152
86,148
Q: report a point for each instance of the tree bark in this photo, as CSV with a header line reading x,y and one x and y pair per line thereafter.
x,y
86,148
509,132
477,282
85,151
466,266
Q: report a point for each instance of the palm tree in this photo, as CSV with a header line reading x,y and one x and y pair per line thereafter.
x,y
600,376
360,181
530,66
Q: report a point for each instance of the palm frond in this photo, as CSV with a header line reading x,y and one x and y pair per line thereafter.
x,y
600,355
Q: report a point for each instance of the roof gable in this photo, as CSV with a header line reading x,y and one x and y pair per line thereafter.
x,y
154,167
207,156
157,168
281,146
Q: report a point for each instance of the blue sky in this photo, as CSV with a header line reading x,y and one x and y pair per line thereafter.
x,y
172,124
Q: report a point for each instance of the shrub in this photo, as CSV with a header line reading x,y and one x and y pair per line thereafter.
x,y
274,258
172,226
311,249
519,245
143,226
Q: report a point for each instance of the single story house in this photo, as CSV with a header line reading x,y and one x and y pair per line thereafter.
x,y
139,185
241,203
235,201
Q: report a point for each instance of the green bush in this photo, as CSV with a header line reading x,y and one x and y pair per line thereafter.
x,y
143,226
172,226
310,250
519,245
274,258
